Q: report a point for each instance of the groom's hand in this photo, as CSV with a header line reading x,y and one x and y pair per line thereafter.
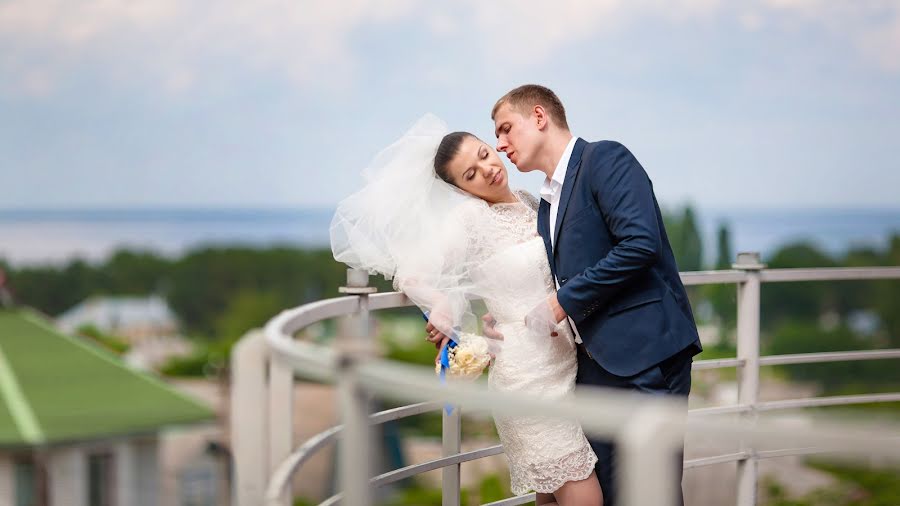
x,y
559,314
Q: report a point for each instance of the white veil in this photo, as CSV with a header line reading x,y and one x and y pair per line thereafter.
x,y
408,225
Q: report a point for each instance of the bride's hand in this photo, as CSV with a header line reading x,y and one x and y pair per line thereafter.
x,y
489,327
435,336
440,347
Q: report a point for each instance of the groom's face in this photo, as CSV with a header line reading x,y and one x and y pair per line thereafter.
x,y
518,136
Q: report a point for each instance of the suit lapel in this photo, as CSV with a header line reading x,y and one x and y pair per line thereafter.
x,y
568,183
543,225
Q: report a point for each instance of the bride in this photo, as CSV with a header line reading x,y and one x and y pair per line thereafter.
x,y
437,215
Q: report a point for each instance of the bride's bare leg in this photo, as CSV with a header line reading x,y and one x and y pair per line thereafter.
x,y
580,493
545,500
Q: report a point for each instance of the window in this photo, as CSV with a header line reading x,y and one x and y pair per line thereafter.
x,y
30,482
101,478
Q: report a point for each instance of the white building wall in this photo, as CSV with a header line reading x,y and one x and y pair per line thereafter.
x,y
68,476
124,462
7,482
146,456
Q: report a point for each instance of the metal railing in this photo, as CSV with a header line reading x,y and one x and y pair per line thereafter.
x,y
264,366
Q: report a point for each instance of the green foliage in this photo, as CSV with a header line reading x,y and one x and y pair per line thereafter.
x,y
724,251
837,377
858,486
220,293
206,281
246,310
54,289
879,487
723,297
197,364
417,495
684,237
491,489
690,243
113,343
134,273
805,300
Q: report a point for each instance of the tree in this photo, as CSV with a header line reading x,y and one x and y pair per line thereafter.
x,y
798,300
684,237
724,253
690,256
723,297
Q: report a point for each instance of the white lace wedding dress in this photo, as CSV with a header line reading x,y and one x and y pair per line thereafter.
x,y
514,275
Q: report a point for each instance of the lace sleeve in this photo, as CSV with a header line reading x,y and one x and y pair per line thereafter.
x,y
528,199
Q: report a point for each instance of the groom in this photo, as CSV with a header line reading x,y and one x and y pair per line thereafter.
x,y
617,282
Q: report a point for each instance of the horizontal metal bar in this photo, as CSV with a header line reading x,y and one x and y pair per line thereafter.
x,y
838,400
789,452
390,415
292,320
720,410
831,356
513,501
315,443
289,466
766,454
389,300
601,411
718,459
712,277
717,363
331,501
829,274
408,471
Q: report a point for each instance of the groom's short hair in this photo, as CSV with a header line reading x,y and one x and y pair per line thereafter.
x,y
527,96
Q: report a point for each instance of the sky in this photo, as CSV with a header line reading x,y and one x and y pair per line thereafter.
x,y
192,104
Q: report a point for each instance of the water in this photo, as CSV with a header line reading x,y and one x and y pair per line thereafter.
x,y
29,237
832,230
43,236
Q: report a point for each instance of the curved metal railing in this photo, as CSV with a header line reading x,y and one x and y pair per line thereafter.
x,y
350,366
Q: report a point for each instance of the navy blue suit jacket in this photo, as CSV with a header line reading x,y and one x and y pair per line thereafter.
x,y
616,270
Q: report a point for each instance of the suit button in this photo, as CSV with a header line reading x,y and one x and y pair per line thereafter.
x,y
563,281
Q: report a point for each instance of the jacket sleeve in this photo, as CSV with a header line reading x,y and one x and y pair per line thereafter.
x,y
624,195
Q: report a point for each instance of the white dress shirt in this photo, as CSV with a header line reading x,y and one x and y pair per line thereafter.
x,y
552,187
550,191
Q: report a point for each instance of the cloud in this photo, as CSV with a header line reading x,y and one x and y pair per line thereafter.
x,y
872,28
173,44
177,46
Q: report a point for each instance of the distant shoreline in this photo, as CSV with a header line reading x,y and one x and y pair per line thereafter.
x,y
55,236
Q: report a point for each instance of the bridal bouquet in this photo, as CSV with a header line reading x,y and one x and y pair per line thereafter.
x,y
466,359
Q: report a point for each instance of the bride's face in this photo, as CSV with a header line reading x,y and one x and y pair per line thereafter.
x,y
477,169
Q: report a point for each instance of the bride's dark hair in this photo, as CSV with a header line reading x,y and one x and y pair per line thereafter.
x,y
446,151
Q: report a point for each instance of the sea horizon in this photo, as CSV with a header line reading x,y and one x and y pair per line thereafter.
x,y
55,235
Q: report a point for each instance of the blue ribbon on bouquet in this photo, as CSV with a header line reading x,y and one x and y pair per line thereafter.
x,y
445,361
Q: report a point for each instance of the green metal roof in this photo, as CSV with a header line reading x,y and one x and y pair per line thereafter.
x,y
55,388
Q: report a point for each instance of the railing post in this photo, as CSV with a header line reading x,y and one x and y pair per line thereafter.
x,y
748,300
646,446
355,448
281,420
452,444
249,418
